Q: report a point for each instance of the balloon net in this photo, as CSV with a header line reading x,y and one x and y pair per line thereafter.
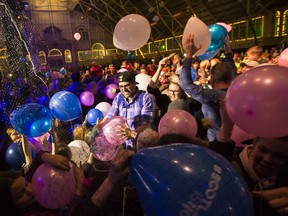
x,y
21,81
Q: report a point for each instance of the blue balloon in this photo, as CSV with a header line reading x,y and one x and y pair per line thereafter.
x,y
15,157
218,39
218,36
47,74
131,54
63,71
209,54
94,115
186,179
31,119
44,100
65,106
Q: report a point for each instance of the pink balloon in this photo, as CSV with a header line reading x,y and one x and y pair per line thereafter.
x,y
239,135
283,58
202,35
111,91
53,188
102,150
131,32
178,122
87,98
256,101
112,128
77,36
228,27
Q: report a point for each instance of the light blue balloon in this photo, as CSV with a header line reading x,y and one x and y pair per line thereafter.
x,y
31,119
65,106
218,39
186,179
218,36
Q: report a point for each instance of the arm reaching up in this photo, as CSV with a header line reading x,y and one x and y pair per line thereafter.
x,y
155,79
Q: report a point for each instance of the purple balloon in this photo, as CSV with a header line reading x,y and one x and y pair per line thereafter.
x,y
87,98
111,91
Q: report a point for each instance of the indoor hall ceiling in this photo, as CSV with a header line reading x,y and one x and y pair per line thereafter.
x,y
173,14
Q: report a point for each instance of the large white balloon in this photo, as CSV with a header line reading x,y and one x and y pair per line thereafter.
x,y
143,81
131,32
200,30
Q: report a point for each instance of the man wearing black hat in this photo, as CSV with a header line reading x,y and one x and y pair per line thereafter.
x,y
134,105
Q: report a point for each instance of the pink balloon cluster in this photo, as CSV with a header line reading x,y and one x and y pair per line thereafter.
x,y
256,102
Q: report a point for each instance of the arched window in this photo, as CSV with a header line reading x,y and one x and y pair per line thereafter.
x,y
42,58
67,56
3,54
54,53
285,23
98,51
83,32
277,24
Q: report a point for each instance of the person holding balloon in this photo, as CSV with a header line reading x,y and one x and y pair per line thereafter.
x,y
18,197
222,75
134,105
19,138
263,165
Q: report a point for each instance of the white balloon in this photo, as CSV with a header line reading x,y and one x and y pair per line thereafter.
x,y
131,32
77,36
143,80
80,151
104,107
202,35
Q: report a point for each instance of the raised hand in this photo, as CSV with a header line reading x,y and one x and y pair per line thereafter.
x,y
190,47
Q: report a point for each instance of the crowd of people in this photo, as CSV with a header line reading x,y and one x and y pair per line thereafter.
x,y
196,86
